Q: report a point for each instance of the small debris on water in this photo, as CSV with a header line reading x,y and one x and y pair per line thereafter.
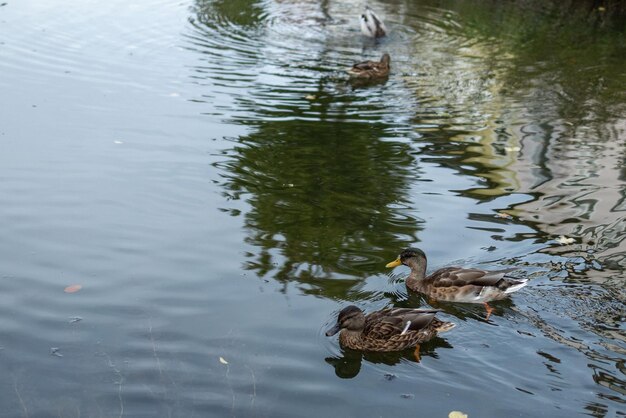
x,y
563,240
74,319
390,376
457,414
407,396
503,215
54,351
223,361
73,288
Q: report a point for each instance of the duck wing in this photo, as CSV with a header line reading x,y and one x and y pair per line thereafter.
x,y
397,321
459,277
365,66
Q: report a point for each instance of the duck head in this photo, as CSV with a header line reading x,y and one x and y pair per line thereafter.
x,y
410,257
350,318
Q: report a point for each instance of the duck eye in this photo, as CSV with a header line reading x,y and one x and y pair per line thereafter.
x,y
346,319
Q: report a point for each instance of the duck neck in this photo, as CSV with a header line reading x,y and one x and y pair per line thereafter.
x,y
384,61
351,339
418,273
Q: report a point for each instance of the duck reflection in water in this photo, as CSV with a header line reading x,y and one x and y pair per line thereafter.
x,y
462,311
392,329
348,364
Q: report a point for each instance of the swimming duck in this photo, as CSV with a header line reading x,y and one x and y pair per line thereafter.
x,y
457,284
391,329
369,70
372,25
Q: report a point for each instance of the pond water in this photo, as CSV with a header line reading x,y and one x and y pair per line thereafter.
x,y
207,174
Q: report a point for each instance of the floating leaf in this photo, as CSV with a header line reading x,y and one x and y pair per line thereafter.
x,y
310,97
73,288
223,361
457,414
563,240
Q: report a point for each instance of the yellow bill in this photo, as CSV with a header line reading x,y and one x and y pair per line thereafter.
x,y
394,263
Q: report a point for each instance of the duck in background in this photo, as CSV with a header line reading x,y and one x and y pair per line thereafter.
x,y
457,284
372,25
371,70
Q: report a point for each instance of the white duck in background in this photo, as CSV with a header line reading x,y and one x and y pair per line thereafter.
x,y
372,25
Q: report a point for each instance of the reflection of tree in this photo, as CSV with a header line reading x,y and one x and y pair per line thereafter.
x,y
326,196
564,76
551,55
325,192
244,13
510,66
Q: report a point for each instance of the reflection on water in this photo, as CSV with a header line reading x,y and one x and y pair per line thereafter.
x,y
498,103
303,181
348,364
211,177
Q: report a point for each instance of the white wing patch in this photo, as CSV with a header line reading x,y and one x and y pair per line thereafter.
x,y
517,287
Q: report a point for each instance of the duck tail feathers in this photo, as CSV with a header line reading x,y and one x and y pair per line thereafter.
x,y
518,284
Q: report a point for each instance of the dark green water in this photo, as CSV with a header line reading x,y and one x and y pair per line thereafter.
x,y
220,190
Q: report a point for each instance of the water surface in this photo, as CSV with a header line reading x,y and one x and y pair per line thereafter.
x,y
220,190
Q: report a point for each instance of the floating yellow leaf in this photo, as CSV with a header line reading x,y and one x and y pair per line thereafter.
x,y
73,288
457,414
310,97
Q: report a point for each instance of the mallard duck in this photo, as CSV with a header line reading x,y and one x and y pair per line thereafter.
x,y
372,25
391,329
457,284
369,70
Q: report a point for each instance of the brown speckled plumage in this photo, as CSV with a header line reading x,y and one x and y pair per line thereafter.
x,y
456,284
370,70
391,329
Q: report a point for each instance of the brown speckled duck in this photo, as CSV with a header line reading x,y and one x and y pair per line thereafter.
x,y
371,70
391,329
457,284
